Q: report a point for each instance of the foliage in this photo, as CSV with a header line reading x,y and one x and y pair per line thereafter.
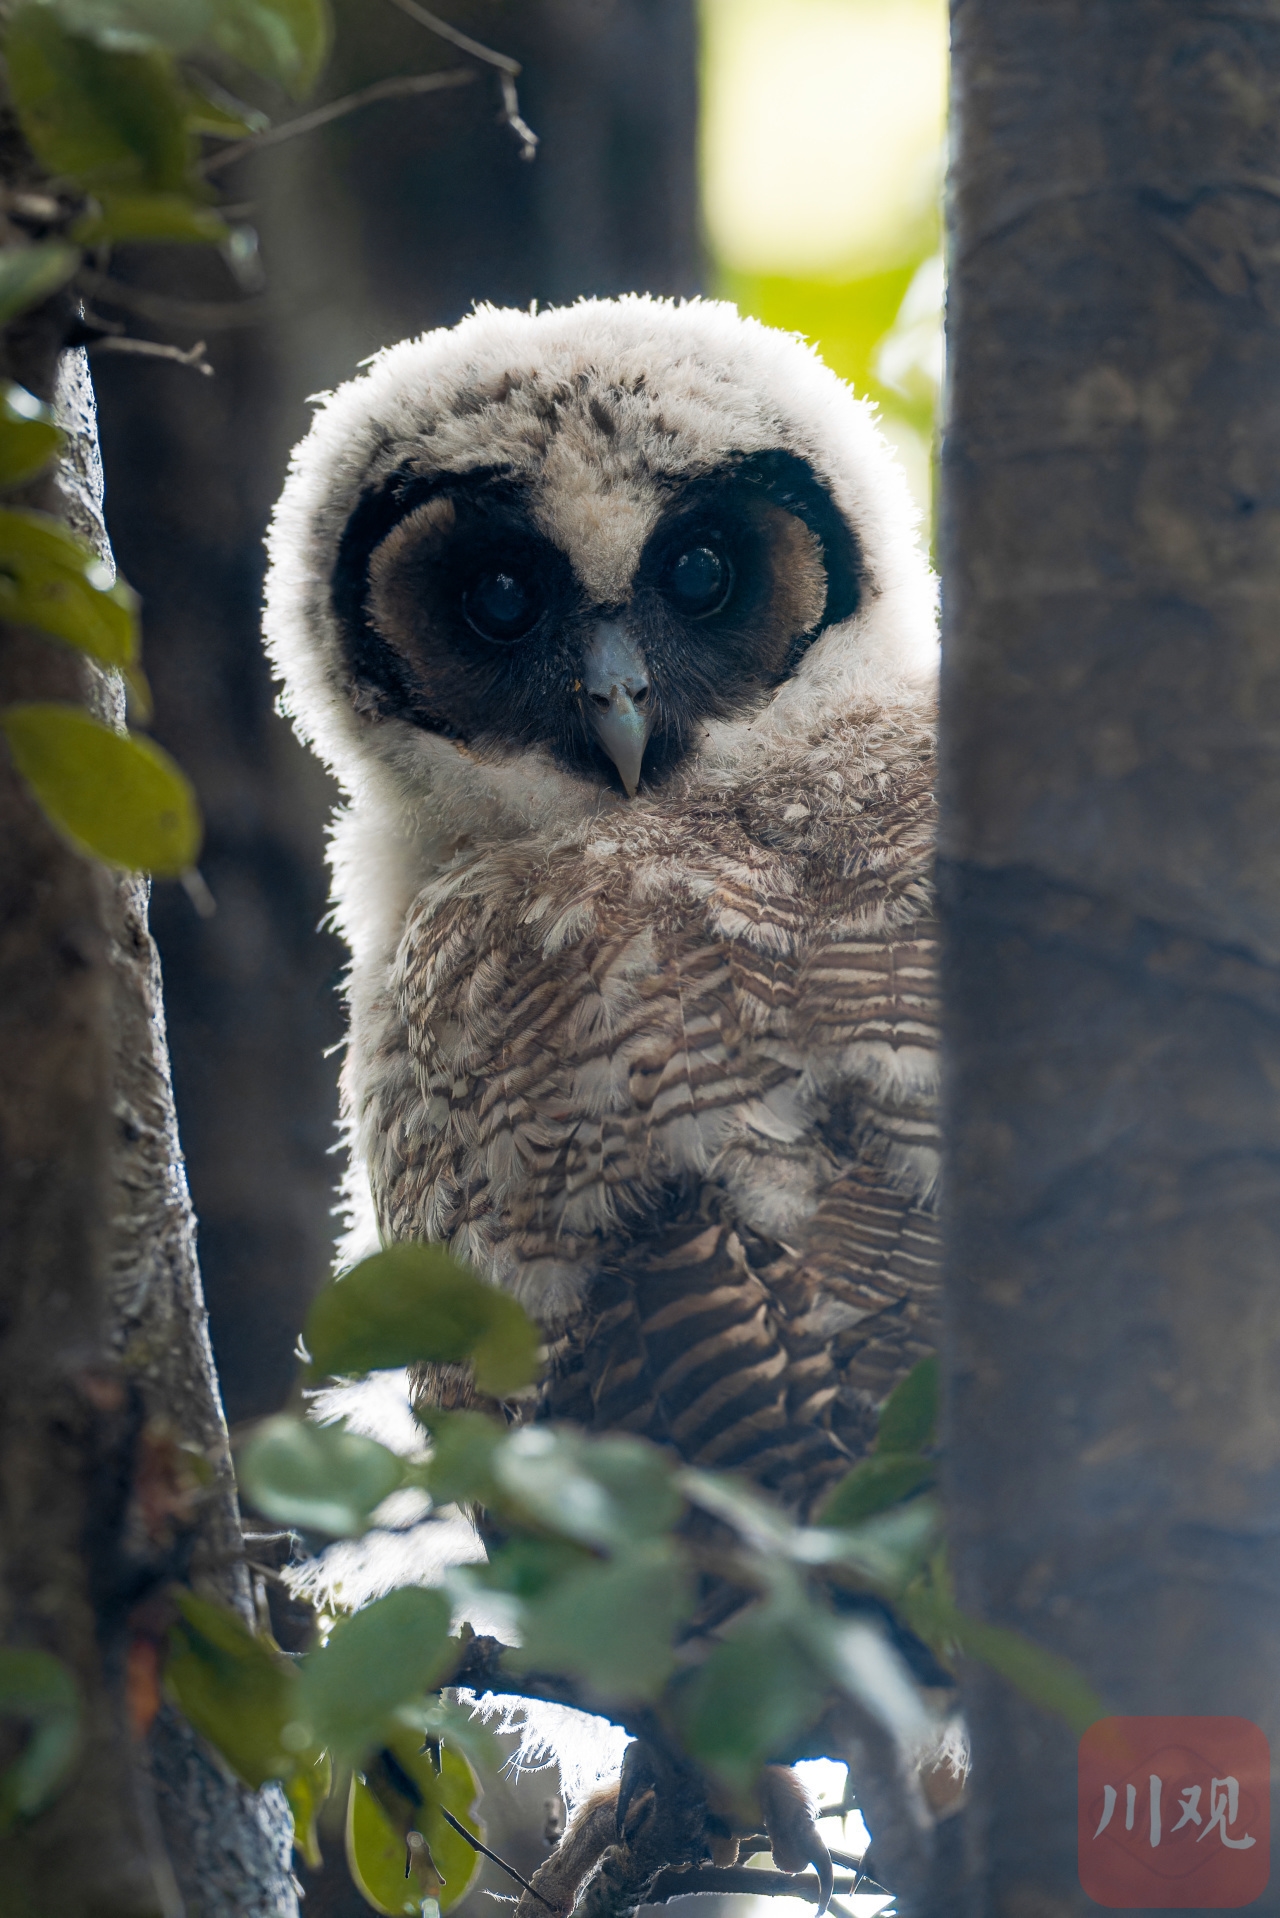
x,y
604,1547
37,1689
114,98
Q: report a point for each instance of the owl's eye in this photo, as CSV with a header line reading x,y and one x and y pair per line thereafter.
x,y
503,604
700,581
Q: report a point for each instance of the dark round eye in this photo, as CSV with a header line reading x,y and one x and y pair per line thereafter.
x,y
700,581
502,605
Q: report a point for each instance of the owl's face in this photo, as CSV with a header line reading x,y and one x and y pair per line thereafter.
x,y
466,615
537,563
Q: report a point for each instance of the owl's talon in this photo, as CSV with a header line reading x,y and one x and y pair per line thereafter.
x,y
791,1822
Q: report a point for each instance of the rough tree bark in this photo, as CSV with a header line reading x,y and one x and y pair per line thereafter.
x,y
104,1356
1110,868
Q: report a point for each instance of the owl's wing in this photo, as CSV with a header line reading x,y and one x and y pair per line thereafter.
x,y
772,1351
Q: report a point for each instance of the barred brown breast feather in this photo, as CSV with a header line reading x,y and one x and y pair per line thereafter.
x,y
672,1083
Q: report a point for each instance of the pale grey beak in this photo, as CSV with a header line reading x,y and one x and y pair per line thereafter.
x,y
616,682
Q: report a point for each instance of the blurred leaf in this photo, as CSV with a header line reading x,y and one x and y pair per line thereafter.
x,y
415,1303
320,1478
102,118
283,40
234,1688
211,110
860,1659
306,1791
132,26
39,1690
929,1609
874,1485
385,1655
462,1449
29,434
460,1730
756,1690
910,1414
402,1792
528,1568
886,1551
611,1624
53,581
750,1514
112,794
150,216
608,1491
29,274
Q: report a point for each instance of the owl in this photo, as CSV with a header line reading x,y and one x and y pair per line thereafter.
x,y
613,625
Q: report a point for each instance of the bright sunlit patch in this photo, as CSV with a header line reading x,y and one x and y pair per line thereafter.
x,y
822,128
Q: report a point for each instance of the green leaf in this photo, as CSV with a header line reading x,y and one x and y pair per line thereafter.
x,y
150,216
29,274
133,26
402,1792
755,1691
885,1552
385,1655
211,110
528,1568
102,118
306,1791
911,1413
415,1303
460,1469
235,1689
459,1729
612,1625
29,434
320,1478
609,1491
114,795
874,1485
283,40
37,1689
859,1658
53,581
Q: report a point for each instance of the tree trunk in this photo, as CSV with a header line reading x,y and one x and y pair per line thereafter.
x,y
1110,869
104,1355
376,227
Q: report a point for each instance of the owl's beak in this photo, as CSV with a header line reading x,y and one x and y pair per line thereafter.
x,y
616,683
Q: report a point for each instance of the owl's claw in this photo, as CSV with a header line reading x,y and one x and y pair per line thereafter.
x,y
794,1837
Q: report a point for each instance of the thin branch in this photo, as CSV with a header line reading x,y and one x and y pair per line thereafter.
x,y
509,70
501,1863
400,87
155,350
684,1882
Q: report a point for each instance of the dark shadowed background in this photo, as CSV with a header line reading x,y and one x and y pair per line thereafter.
x,y
373,228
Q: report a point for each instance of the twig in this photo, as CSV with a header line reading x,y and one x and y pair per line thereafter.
x,y
681,1882
155,350
508,69
400,87
501,1863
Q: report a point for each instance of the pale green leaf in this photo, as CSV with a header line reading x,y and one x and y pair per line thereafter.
x,y
460,1468
52,580
605,1491
755,1691
401,1791
29,274
383,1656
283,40
320,1478
234,1688
150,216
306,1791
29,434
612,1625
114,795
39,1692
135,26
413,1304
